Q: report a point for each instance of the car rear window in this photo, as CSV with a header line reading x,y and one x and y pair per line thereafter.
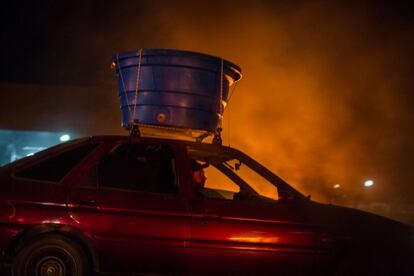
x,y
53,169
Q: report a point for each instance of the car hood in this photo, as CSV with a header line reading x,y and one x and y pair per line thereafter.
x,y
357,224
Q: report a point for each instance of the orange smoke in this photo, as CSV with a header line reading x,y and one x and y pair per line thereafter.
x,y
313,99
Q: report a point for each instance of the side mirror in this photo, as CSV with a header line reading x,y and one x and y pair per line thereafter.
x,y
243,195
238,165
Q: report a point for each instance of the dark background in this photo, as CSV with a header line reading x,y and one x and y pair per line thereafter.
x,y
326,96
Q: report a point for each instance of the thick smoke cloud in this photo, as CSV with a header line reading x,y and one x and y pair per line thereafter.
x,y
323,99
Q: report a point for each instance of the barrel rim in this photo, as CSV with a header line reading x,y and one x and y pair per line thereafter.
x,y
176,52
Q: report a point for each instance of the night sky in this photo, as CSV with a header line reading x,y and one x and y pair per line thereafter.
x,y
326,95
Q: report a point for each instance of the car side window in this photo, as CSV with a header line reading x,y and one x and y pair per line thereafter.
x,y
139,167
218,185
56,167
239,183
256,181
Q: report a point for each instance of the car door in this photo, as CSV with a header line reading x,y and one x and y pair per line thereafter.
x,y
237,236
245,233
130,204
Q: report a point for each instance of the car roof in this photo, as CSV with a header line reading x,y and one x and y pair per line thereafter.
x,y
152,140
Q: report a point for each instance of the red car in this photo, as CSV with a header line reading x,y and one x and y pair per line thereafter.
x,y
114,205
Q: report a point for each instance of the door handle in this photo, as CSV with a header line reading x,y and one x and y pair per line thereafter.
x,y
205,216
209,215
88,204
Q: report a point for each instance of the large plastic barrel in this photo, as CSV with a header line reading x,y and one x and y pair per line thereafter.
x,y
173,88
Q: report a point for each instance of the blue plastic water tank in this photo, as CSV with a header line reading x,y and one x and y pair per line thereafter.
x,y
173,88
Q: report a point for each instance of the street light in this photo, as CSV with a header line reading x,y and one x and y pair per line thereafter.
x,y
64,138
336,186
368,183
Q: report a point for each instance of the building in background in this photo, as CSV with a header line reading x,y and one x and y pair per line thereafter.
x,y
16,144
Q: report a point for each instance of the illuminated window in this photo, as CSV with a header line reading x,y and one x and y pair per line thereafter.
x,y
218,185
257,182
229,178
